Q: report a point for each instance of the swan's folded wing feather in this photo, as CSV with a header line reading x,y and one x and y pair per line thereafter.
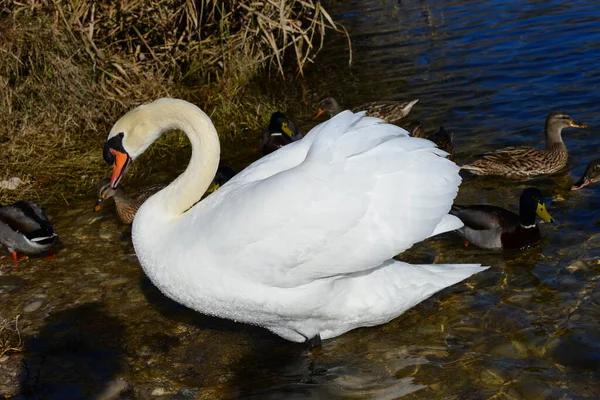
x,y
364,193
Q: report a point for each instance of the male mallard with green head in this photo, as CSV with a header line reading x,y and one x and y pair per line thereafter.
x,y
591,175
387,110
496,228
280,132
25,228
527,162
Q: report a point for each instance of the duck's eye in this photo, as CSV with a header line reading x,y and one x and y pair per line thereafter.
x,y
596,167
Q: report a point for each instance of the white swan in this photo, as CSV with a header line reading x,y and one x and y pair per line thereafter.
x,y
301,241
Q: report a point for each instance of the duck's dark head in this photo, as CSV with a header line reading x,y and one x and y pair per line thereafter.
x,y
531,204
329,105
591,175
279,123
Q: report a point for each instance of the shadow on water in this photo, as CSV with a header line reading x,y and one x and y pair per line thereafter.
x,y
269,367
76,355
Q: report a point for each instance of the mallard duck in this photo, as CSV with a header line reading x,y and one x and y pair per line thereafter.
x,y
442,138
526,162
25,228
302,241
126,206
495,228
387,110
591,175
280,132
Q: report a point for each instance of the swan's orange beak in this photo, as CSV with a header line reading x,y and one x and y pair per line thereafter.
x,y
320,112
120,166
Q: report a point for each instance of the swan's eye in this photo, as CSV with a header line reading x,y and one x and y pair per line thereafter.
x,y
115,142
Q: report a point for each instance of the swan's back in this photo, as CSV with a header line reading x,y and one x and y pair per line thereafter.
x,y
350,195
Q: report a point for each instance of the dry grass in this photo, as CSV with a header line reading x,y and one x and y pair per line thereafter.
x,y
10,337
70,68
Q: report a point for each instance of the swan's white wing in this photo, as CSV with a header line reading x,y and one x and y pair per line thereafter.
x,y
352,194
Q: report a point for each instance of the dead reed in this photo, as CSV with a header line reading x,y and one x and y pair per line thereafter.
x,y
69,68
10,337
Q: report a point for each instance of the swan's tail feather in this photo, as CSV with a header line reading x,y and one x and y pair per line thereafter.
x,y
446,274
393,288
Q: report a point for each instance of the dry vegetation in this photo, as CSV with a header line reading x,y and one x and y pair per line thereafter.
x,y
10,337
69,68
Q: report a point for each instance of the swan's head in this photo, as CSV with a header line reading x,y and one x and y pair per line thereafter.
x,y
131,135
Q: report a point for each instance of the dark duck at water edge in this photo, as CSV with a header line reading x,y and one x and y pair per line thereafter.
x,y
280,132
591,175
496,228
26,229
527,162
388,110
442,138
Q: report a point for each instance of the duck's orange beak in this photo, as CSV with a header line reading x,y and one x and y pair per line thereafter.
x,y
120,166
583,182
99,205
576,124
320,112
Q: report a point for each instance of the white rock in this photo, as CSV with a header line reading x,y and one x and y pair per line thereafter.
x,y
11,183
34,306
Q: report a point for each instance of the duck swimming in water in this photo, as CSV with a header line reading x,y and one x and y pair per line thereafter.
x,y
527,162
496,228
388,110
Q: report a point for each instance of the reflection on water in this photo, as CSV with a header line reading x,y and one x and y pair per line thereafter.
x,y
526,328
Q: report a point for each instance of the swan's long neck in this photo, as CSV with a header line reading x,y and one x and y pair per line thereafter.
x,y
189,187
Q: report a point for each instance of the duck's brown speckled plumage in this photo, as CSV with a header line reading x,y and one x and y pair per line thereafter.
x,y
526,162
442,138
387,110
126,206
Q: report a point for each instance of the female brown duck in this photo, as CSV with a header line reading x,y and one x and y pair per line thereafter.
x,y
126,206
526,162
387,110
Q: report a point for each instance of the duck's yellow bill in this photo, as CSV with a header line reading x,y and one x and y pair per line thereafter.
x,y
320,112
213,188
543,213
286,129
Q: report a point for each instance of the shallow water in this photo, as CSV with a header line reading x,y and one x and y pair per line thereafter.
x,y
527,328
